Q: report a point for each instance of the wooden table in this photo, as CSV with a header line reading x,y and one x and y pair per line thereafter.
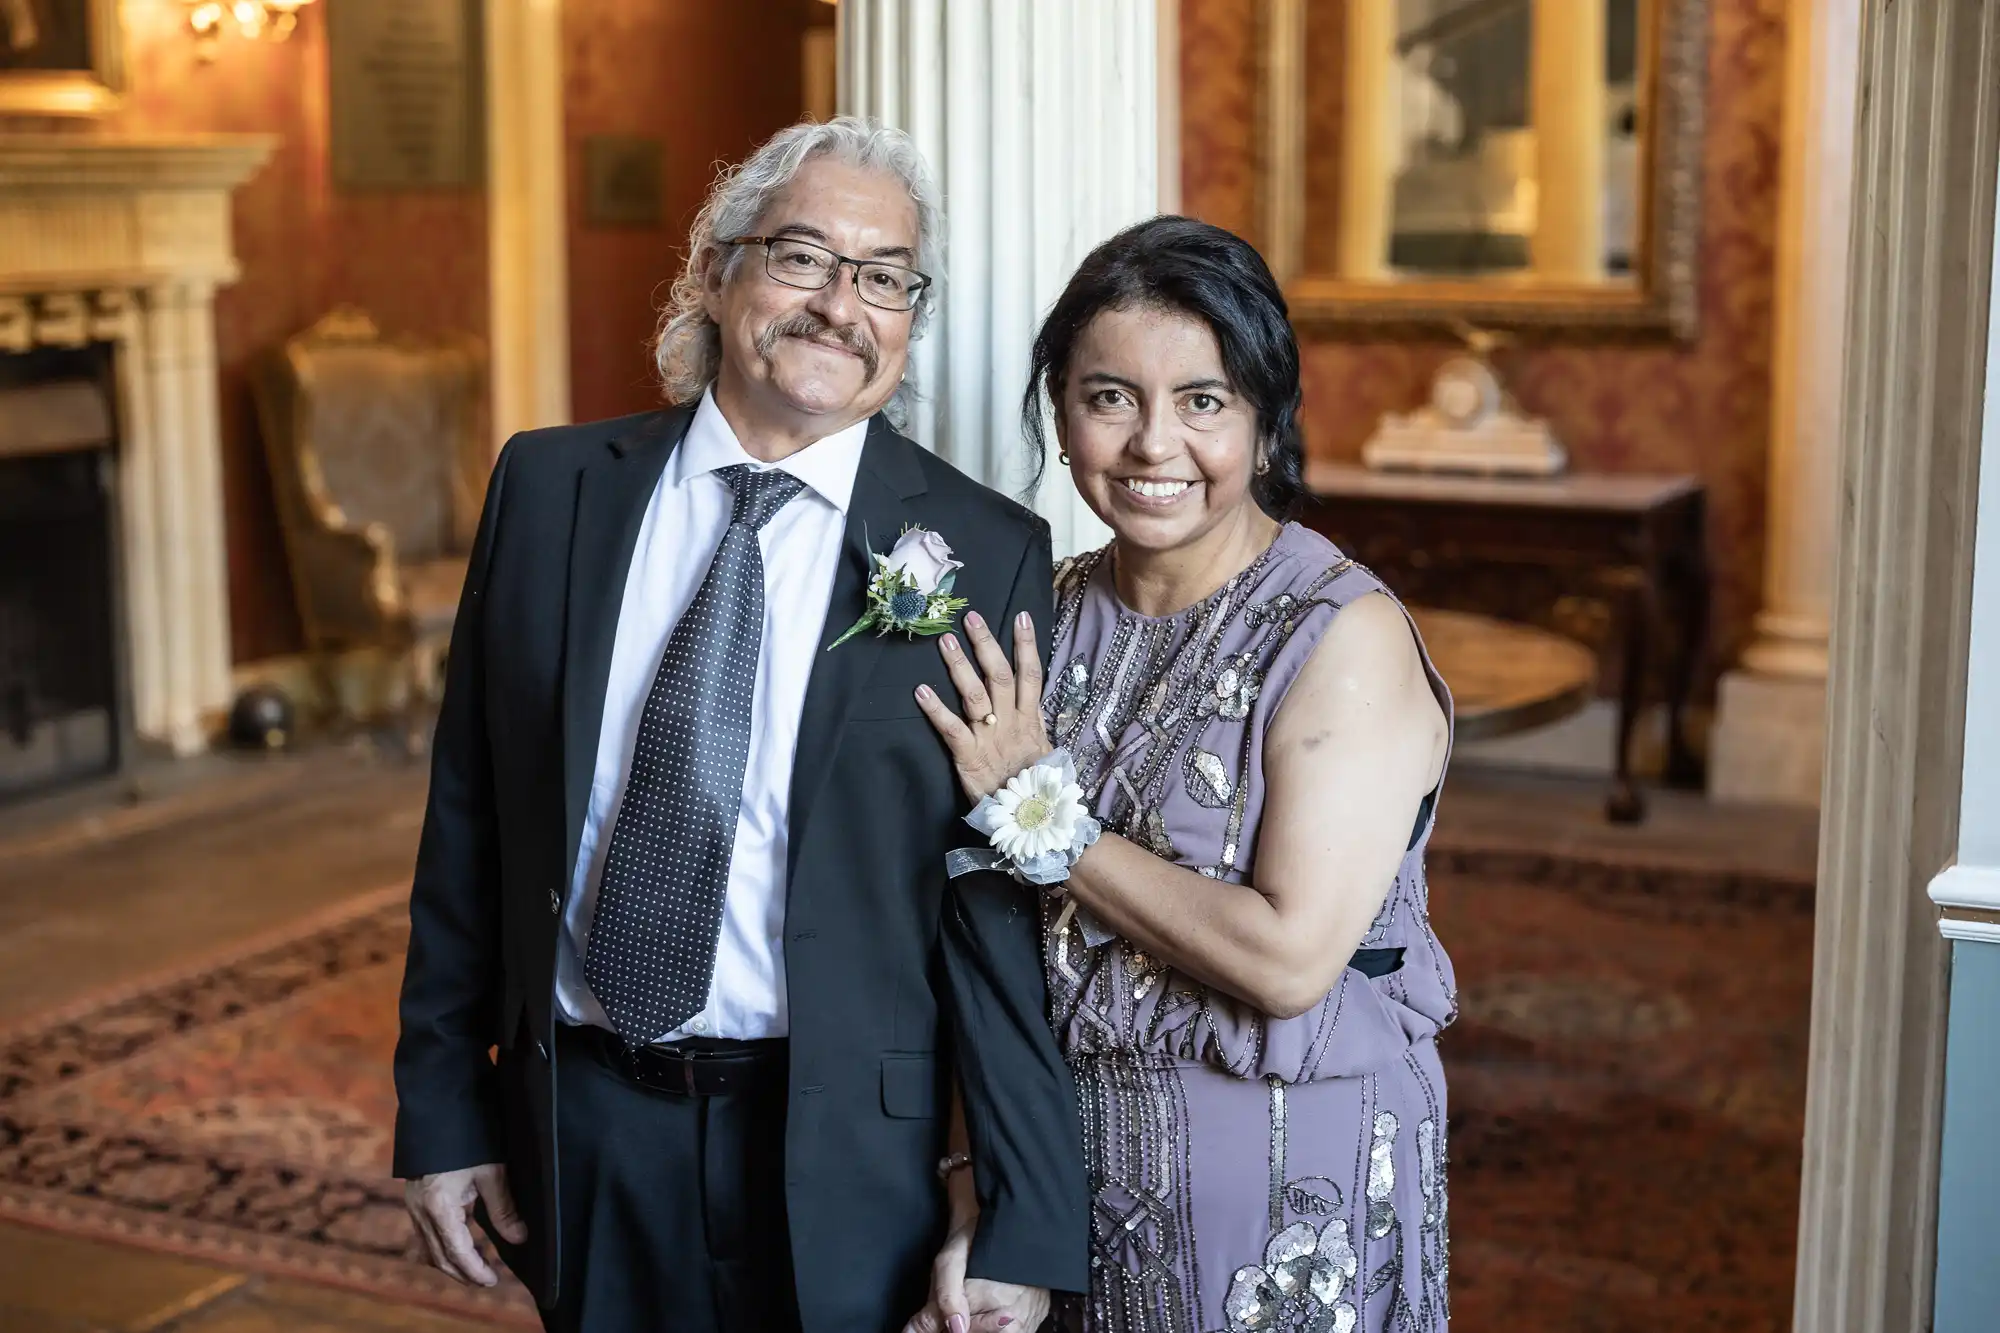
x,y
1613,560
1505,678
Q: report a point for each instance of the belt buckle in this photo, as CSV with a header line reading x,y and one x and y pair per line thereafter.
x,y
681,1060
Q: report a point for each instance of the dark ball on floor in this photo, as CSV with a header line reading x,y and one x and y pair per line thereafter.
x,y
262,718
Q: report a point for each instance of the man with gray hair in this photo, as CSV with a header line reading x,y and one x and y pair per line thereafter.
x,y
690,1004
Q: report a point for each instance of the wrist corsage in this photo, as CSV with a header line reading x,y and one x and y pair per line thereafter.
x,y
1037,825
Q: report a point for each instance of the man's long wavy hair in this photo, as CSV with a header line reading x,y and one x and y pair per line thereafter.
x,y
688,348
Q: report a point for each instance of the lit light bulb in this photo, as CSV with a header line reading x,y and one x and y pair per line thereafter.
x,y
253,19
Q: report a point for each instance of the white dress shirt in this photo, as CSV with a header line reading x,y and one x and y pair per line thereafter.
x,y
684,523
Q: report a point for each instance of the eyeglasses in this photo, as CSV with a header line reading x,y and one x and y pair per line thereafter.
x,y
810,267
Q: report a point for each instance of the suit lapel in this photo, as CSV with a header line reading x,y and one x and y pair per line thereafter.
x,y
890,475
612,494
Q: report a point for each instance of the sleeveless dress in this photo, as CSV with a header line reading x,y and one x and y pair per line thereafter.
x,y
1249,1173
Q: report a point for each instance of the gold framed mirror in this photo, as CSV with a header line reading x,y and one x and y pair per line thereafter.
x,y
1509,164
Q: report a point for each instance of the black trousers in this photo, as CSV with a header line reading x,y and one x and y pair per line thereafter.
x,y
672,1207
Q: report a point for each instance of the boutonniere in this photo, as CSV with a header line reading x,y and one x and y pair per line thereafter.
x,y
910,590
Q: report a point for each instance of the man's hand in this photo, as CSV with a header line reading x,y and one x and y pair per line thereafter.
x,y
973,1305
440,1205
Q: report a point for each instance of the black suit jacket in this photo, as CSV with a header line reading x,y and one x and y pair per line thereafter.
x,y
895,974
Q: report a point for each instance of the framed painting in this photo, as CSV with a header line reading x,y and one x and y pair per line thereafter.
x,y
60,57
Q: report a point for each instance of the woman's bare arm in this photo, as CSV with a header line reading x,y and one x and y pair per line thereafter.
x,y
1356,745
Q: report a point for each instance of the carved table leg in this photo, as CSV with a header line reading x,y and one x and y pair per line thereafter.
x,y
1625,805
1690,600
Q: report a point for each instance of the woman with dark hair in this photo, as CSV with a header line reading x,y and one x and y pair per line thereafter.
x,y
1240,964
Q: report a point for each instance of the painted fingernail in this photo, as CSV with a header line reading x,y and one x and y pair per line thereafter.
x,y
972,619
1003,1321
924,693
958,1324
951,643
1024,620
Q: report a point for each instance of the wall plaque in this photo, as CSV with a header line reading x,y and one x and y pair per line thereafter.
x,y
621,180
405,93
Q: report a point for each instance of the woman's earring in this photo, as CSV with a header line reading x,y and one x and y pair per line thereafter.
x,y
1263,464
1062,456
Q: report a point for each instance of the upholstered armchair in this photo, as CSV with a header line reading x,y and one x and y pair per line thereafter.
x,y
379,467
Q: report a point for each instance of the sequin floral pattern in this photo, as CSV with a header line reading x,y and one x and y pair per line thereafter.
x,y
1166,718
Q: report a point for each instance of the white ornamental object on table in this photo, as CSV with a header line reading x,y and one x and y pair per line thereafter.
x,y
1471,424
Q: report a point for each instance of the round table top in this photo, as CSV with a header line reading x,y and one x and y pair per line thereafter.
x,y
1505,677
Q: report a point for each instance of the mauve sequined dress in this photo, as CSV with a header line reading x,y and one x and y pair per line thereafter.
x,y
1249,1173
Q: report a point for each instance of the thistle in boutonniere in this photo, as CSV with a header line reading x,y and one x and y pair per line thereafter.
x,y
910,591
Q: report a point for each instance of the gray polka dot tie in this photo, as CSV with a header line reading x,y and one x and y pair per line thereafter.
x,y
659,907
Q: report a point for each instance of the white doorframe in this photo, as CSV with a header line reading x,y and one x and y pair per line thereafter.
x,y
1927,142
526,217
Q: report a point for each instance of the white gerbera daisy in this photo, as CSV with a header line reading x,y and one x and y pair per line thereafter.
x,y
1038,813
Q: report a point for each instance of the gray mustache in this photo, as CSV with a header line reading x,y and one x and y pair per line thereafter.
x,y
805,324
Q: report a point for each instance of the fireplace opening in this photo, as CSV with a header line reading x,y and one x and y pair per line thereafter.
x,y
61,712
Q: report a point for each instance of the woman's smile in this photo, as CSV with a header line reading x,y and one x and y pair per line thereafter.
x,y
1154,493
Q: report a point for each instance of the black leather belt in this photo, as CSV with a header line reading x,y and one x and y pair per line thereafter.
x,y
1377,962
696,1067
716,1067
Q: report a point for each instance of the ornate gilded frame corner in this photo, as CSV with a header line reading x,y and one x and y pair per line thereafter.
x,y
96,91
1664,302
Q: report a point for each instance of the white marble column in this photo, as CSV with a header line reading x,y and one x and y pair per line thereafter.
x,y
1770,722
179,582
1041,121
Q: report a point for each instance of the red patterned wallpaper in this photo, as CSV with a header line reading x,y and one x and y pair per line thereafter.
x,y
1703,409
711,81
416,260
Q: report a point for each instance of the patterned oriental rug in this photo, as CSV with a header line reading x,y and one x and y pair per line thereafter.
x,y
240,1112
1626,1078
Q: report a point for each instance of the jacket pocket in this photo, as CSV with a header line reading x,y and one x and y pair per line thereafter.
x,y
910,1087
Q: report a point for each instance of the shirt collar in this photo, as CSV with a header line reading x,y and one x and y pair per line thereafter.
x,y
828,465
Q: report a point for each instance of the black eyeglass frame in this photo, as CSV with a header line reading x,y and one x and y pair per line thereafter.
x,y
923,283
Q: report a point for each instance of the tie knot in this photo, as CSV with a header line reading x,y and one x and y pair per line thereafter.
x,y
759,493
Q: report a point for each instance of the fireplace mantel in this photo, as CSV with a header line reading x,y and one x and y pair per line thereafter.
x,y
124,240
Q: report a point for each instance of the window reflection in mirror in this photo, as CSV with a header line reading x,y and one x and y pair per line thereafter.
x,y
1475,146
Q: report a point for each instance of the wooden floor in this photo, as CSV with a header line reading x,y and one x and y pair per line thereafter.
x,y
1505,810
93,892
96,890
